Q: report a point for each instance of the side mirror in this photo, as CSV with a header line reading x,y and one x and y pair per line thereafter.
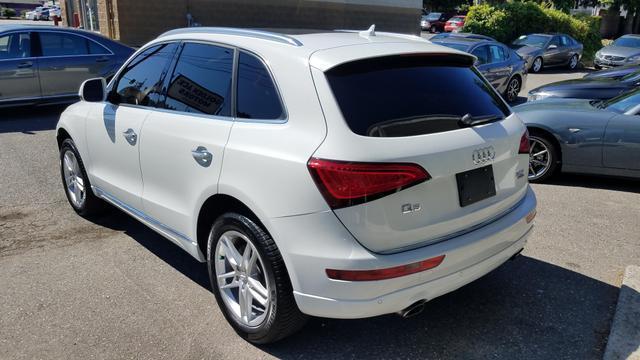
x,y
93,90
552,46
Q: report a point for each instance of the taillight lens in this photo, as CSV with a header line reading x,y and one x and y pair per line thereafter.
x,y
383,274
345,183
524,143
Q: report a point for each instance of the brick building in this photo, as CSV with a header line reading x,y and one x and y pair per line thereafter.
x,y
137,21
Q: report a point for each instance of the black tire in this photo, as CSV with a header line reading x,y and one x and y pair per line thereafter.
x,y
508,95
533,67
553,154
283,317
92,205
570,66
597,67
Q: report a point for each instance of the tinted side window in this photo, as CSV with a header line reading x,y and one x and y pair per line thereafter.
x,y
386,97
15,46
58,44
497,53
555,41
140,83
97,49
201,82
257,95
482,53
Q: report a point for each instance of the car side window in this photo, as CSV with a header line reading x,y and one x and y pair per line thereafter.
x,y
497,54
565,41
201,81
555,41
140,83
97,49
482,53
15,46
59,44
257,97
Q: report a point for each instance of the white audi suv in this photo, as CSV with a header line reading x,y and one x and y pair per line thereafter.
x,y
338,174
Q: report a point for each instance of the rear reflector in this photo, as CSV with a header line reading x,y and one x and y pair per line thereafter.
x,y
531,216
388,273
524,143
349,183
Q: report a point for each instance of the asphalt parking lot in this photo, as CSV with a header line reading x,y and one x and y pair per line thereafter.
x,y
111,288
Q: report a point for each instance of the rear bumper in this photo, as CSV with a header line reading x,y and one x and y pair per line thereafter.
x,y
312,243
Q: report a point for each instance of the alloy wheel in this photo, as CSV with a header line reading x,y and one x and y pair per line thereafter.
x,y
242,281
537,64
573,62
513,89
73,179
539,159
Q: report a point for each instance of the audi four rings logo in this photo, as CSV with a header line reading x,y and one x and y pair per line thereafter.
x,y
484,155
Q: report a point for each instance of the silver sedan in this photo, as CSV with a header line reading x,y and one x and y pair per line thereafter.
x,y
46,64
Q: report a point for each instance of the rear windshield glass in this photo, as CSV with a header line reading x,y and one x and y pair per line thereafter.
x,y
412,95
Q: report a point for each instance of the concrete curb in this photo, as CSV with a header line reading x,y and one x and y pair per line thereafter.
x,y
624,339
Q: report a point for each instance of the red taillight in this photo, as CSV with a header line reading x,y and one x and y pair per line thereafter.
x,y
349,183
524,143
388,273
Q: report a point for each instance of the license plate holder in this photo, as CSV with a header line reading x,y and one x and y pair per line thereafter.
x,y
476,185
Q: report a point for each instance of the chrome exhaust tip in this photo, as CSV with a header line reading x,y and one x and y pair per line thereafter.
x,y
413,309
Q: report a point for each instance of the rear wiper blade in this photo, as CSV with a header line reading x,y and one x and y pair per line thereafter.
x,y
469,120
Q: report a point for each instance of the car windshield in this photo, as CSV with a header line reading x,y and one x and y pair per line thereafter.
x,y
457,19
531,40
623,103
628,41
433,16
397,96
461,47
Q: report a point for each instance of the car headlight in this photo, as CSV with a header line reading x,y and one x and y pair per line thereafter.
x,y
633,59
538,96
598,54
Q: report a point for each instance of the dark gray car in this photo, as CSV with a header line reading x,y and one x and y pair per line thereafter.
x,y
624,50
46,64
501,66
544,50
583,136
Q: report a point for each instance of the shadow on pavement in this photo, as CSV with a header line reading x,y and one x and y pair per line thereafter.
x,y
525,309
595,182
28,119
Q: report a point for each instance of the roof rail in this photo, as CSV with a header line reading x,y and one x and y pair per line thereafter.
x,y
259,34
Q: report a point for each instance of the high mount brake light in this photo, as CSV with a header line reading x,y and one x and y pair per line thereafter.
x,y
345,183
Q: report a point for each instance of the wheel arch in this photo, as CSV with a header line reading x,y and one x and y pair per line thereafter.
x,y
214,206
61,135
546,133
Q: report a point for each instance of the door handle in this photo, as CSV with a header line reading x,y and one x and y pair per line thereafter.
x,y
24,65
131,136
202,156
102,59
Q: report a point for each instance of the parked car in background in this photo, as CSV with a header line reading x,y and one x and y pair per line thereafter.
x,y
587,88
501,66
583,136
454,24
617,72
545,50
39,13
47,64
247,139
624,50
460,34
435,21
